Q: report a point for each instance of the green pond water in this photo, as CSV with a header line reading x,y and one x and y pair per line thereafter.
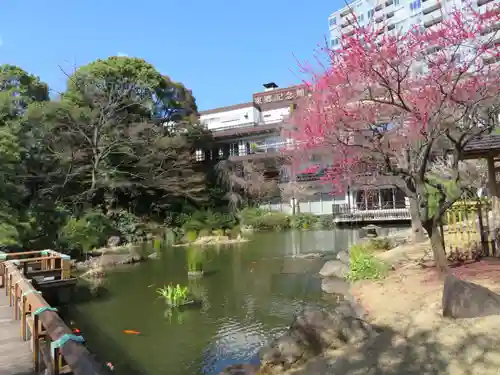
x,y
249,296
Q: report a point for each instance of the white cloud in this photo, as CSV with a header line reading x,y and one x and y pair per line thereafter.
x,y
121,54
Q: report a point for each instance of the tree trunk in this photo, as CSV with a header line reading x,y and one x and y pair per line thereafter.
x,y
437,247
418,234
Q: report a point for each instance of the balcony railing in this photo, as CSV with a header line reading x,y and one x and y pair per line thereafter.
x,y
342,213
243,125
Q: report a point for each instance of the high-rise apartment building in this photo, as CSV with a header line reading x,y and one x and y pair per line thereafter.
x,y
395,15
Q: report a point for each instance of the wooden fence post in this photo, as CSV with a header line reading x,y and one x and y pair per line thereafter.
x,y
484,243
36,342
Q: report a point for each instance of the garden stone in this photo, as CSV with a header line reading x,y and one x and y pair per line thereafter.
x,y
283,351
334,285
343,256
370,231
334,268
243,369
114,241
315,330
462,299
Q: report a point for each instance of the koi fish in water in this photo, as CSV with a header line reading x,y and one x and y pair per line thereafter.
x,y
131,332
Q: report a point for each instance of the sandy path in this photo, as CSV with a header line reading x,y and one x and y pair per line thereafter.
x,y
415,338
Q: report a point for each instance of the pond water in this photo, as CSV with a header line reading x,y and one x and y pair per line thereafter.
x,y
249,296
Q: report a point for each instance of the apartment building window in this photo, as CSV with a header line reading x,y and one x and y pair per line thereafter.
x,y
334,42
415,5
396,2
333,21
199,155
371,13
361,18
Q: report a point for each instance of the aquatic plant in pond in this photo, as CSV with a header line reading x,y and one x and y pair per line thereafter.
x,y
174,295
195,257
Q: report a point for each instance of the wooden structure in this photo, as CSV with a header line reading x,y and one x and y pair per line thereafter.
x,y
465,227
488,147
346,214
42,335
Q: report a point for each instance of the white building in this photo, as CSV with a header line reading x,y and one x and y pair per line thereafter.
x,y
253,130
394,15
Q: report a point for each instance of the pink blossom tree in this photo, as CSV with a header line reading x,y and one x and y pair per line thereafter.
x,y
387,102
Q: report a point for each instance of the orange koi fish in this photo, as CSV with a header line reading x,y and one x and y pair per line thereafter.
x,y
131,332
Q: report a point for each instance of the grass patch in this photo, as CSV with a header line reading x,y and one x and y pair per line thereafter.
x,y
379,244
364,265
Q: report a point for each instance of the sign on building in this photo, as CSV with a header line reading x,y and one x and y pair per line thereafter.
x,y
279,95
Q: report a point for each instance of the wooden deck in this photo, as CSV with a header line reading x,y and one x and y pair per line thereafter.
x,y
16,357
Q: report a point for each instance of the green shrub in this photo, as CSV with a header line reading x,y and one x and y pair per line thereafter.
x,y
86,233
379,244
219,232
8,235
234,232
208,220
169,237
324,222
191,236
195,257
249,216
260,219
364,265
204,233
41,224
129,226
304,221
272,221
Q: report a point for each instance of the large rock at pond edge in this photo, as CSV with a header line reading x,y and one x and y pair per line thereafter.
x,y
335,268
462,299
313,331
243,369
114,241
335,285
343,256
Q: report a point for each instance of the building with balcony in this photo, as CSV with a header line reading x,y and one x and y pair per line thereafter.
x,y
253,131
395,15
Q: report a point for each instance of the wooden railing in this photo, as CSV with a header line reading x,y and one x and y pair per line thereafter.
x,y
56,349
344,213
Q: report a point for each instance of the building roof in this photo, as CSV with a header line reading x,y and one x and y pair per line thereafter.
x,y
227,108
480,147
247,130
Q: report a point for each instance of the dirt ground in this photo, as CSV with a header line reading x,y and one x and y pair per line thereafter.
x,y
415,338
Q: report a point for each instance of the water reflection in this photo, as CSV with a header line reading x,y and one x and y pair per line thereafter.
x,y
250,297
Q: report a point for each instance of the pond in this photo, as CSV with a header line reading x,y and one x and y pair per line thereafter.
x,y
249,296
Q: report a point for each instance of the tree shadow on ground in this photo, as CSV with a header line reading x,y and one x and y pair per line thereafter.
x,y
413,352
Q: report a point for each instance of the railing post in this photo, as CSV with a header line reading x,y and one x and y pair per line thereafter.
x,y
6,280
66,267
36,342
3,258
10,290
16,305
23,317
57,360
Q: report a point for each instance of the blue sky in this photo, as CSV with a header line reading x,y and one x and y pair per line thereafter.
x,y
224,50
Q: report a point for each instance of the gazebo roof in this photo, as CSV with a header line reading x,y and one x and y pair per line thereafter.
x,y
481,147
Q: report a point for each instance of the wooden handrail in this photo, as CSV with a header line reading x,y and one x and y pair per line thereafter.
x,y
46,326
11,256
